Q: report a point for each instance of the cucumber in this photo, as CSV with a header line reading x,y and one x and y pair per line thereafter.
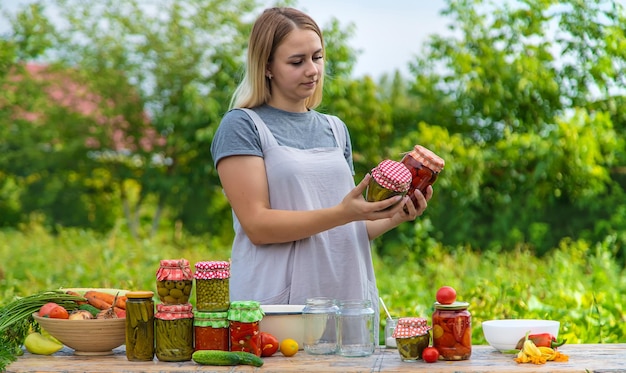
x,y
88,307
214,357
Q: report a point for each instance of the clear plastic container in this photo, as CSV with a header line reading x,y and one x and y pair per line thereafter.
x,y
320,326
356,323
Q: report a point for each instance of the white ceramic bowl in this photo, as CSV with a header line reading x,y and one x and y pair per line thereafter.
x,y
284,321
504,334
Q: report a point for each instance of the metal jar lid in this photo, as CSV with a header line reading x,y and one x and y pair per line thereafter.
x,y
410,327
455,306
392,175
427,158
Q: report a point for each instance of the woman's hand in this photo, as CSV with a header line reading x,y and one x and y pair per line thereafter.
x,y
410,212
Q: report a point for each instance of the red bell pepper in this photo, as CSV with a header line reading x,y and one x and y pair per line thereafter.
x,y
541,340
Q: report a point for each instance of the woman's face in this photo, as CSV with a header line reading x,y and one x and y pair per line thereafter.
x,y
297,66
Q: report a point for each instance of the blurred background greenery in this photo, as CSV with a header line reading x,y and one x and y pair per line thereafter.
x,y
107,114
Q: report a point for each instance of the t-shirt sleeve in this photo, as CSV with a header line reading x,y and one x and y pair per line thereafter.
x,y
236,135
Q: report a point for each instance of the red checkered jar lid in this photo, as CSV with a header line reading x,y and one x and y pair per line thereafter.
x,y
174,270
427,158
392,175
212,270
411,327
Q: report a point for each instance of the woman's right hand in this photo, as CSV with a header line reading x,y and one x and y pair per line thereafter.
x,y
360,209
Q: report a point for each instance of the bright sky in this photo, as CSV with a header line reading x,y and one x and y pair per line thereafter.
x,y
389,33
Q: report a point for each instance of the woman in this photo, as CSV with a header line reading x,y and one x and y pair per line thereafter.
x,y
302,228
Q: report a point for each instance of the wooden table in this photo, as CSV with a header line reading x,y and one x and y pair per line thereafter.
x,y
599,358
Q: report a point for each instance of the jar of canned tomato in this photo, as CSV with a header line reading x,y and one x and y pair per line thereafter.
x,y
212,286
174,281
244,318
424,166
211,331
452,330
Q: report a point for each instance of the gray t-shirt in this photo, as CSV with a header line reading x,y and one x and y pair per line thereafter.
x,y
237,134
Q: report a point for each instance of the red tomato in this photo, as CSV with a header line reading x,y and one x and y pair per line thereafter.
x,y
446,295
53,311
269,344
430,355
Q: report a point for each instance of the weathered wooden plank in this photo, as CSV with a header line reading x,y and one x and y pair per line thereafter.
x,y
597,358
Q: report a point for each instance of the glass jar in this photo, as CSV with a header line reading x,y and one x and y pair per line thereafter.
x,y
424,166
320,326
211,331
174,281
389,178
139,326
356,321
390,326
173,328
212,286
412,337
452,330
245,334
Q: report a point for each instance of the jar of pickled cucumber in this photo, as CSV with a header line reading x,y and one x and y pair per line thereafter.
x,y
174,281
212,288
244,318
211,331
389,178
139,326
452,330
424,166
173,328
412,337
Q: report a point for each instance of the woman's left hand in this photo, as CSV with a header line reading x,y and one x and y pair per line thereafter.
x,y
409,212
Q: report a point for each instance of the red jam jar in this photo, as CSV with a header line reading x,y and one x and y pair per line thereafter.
x,y
424,166
211,331
389,178
452,330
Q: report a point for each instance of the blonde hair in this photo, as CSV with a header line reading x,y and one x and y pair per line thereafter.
x,y
268,32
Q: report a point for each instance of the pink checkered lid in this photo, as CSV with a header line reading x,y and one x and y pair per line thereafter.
x,y
392,175
411,327
174,270
212,270
174,311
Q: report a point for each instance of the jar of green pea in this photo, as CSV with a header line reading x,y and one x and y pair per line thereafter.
x,y
212,286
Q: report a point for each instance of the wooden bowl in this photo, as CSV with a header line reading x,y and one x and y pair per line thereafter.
x,y
87,337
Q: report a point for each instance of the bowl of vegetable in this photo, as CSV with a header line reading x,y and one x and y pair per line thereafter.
x,y
95,327
505,334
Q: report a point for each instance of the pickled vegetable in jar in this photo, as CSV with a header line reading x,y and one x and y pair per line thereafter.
x,y
245,334
174,332
139,326
389,178
412,337
174,281
211,331
452,330
424,166
212,286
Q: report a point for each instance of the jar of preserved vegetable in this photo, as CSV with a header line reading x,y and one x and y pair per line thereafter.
x,y
139,326
356,328
244,318
412,337
424,166
320,330
389,178
212,288
211,331
174,332
452,330
174,281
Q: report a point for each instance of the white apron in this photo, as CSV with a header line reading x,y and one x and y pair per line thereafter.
x,y
336,263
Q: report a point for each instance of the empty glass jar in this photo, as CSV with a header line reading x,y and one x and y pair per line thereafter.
x,y
356,323
320,326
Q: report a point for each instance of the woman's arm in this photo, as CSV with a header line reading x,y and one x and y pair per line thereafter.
x,y
244,182
378,227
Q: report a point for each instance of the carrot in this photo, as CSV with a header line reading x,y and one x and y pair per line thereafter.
x,y
105,297
79,302
98,303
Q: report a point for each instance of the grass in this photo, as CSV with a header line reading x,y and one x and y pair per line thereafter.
x,y
578,285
